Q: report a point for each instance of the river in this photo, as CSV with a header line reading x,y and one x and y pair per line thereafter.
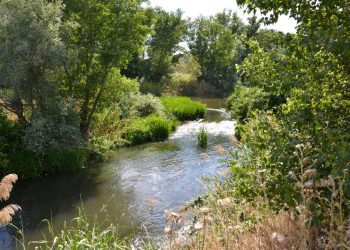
x,y
134,187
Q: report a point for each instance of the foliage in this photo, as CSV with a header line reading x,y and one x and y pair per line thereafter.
x,y
183,108
146,105
63,160
57,128
244,100
270,39
151,128
168,31
31,50
202,137
10,133
183,79
106,36
215,48
309,121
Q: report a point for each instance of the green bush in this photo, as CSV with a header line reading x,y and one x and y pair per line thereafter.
x,y
151,128
146,105
184,108
244,100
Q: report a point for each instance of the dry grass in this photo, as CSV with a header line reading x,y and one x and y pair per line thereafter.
x,y
7,212
6,185
239,224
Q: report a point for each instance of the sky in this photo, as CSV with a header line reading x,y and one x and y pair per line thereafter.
x,y
195,8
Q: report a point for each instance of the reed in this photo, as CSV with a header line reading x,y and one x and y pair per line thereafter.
x,y
202,137
7,212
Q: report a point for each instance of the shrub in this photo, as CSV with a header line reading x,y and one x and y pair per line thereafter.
x,y
202,137
151,128
56,128
184,108
244,100
146,105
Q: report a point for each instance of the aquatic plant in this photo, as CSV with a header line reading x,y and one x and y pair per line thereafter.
x,y
202,137
8,211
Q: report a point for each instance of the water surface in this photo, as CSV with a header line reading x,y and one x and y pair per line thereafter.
x,y
136,185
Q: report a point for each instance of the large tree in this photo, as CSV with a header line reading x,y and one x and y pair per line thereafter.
x,y
106,35
216,49
168,31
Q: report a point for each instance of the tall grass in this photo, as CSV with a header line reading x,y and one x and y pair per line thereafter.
x,y
184,108
202,137
81,233
150,129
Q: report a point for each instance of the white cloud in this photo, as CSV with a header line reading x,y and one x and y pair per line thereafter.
x,y
195,8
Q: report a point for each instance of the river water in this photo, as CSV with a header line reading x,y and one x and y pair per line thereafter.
x,y
135,186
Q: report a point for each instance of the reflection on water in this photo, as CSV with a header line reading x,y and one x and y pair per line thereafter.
x,y
136,185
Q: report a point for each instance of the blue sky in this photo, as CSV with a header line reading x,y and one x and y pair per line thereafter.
x,y
194,8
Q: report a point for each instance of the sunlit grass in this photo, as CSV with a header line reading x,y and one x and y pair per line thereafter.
x,y
184,108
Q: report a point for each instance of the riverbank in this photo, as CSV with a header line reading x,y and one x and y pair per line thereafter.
x,y
145,119
135,185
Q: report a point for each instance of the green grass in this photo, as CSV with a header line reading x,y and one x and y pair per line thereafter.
x,y
184,108
81,233
150,129
202,137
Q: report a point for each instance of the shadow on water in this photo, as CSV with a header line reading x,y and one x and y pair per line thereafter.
x,y
135,186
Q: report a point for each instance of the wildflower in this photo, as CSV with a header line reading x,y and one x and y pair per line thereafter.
x,y
299,145
310,173
198,225
224,202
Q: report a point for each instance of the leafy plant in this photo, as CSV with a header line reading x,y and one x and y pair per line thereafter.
x,y
244,100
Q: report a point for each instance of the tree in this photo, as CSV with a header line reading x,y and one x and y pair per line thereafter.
x,y
321,24
106,35
231,20
30,51
168,31
215,49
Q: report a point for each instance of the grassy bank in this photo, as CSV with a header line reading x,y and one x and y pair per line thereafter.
x,y
183,108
